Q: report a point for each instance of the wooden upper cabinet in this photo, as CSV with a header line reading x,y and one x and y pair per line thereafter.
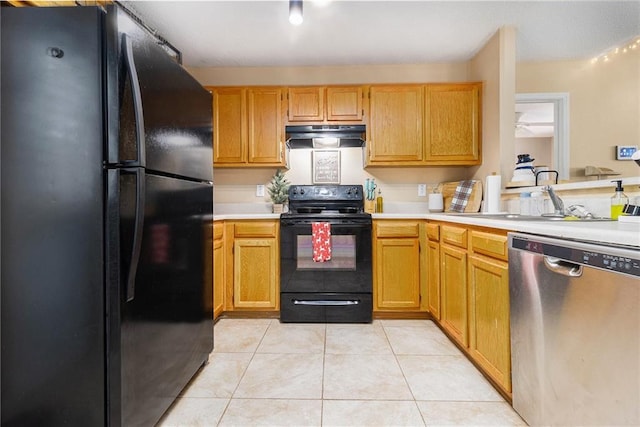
x,y
306,104
248,127
453,123
229,125
265,126
395,131
320,104
344,103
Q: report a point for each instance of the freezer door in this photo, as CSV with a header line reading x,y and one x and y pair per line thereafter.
x,y
165,114
52,294
166,312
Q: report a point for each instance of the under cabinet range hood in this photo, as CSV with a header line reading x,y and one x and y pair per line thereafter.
x,y
325,136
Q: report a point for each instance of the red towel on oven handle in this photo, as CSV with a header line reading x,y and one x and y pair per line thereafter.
x,y
321,241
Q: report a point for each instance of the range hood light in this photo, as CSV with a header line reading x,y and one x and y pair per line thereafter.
x,y
326,142
325,136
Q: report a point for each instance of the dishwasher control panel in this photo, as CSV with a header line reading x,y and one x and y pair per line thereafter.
x,y
607,258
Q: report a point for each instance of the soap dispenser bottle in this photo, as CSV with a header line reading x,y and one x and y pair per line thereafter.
x,y
618,200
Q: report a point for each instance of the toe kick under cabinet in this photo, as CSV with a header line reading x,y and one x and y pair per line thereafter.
x,y
469,294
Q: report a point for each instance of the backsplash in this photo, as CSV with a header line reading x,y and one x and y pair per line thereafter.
x,y
396,184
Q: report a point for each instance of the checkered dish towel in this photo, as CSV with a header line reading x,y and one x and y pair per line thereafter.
x,y
461,196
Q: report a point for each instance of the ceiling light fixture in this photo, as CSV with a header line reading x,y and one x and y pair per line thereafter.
x,y
295,12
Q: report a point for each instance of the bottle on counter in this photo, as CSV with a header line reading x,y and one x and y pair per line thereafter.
x,y
618,200
525,203
537,203
379,202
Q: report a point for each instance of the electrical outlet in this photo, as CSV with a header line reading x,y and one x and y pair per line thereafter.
x,y
259,190
422,190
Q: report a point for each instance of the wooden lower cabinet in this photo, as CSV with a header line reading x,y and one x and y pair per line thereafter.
x,y
397,275
469,267
254,275
256,266
433,279
218,269
453,276
489,342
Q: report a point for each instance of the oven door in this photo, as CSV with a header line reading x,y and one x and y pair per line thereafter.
x,y
338,290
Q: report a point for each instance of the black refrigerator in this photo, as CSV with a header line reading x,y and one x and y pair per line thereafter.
x,y
106,210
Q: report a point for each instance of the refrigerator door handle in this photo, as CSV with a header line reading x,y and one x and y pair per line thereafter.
x,y
137,102
137,231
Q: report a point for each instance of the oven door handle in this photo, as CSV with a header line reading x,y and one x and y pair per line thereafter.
x,y
325,302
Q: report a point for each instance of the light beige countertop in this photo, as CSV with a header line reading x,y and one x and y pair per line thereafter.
x,y
605,232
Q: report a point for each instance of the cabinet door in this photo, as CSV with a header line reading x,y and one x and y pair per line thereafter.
x,y
255,274
229,126
433,278
453,123
453,276
489,317
344,103
265,126
395,126
397,278
306,104
218,270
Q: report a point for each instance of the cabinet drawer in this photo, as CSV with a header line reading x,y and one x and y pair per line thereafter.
x,y
454,236
218,230
433,232
493,245
397,229
255,229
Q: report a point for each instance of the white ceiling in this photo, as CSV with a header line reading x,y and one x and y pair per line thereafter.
x,y
346,32
534,119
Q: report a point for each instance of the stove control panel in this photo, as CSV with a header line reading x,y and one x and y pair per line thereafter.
x,y
326,192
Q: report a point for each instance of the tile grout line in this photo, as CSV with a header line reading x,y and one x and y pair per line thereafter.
x,y
253,354
404,376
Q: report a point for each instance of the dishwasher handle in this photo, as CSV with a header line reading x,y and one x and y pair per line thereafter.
x,y
563,267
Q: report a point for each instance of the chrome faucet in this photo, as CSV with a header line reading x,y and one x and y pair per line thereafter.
x,y
558,204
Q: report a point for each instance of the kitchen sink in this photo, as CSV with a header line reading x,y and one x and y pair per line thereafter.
x,y
518,217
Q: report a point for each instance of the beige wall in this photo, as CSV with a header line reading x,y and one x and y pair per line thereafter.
x,y
540,149
418,73
495,66
604,101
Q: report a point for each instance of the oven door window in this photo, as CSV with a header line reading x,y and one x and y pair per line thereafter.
x,y
343,253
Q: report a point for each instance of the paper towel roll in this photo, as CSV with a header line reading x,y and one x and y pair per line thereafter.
x,y
492,191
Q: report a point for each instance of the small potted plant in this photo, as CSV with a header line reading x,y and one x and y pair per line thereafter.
x,y
278,191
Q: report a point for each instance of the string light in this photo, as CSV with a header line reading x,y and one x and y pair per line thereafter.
x,y
609,55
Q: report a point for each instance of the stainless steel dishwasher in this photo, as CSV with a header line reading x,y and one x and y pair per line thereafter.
x,y
575,332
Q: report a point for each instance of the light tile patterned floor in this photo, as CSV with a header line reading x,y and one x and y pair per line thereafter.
x,y
388,373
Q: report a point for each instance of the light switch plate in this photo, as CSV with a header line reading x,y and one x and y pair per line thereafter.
x,y
259,190
422,190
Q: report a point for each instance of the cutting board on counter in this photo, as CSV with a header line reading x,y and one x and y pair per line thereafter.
x,y
449,188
